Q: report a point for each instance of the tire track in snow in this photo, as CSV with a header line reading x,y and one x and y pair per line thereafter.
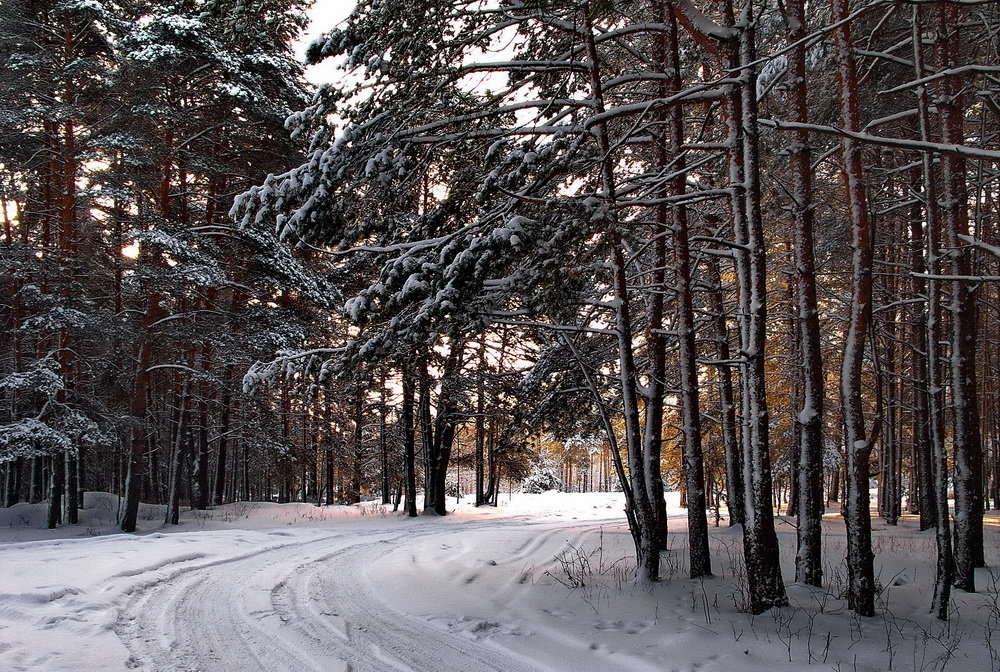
x,y
300,606
378,637
218,616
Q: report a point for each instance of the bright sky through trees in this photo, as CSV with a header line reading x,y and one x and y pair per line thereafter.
x,y
323,15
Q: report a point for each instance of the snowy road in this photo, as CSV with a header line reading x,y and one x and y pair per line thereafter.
x,y
416,596
302,606
542,583
268,587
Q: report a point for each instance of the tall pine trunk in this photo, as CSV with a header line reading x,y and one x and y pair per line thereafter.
x,y
760,542
860,567
202,477
920,425
944,567
177,458
962,308
383,441
137,434
480,485
57,483
694,473
809,556
644,532
409,442
727,398
222,452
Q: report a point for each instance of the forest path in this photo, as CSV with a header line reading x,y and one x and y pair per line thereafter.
x,y
323,603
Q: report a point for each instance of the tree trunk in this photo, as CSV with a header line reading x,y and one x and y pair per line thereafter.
x,y
409,442
176,459
72,488
861,576
57,480
223,446
809,556
444,433
37,478
12,485
642,483
201,465
383,442
920,425
939,462
760,543
427,434
727,399
694,473
137,436
358,448
481,429
962,307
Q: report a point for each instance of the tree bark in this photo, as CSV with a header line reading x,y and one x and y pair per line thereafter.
x,y
57,481
177,458
409,442
72,466
201,466
727,399
809,556
357,457
383,441
861,574
944,570
137,436
640,480
480,485
962,307
222,451
694,473
760,543
921,423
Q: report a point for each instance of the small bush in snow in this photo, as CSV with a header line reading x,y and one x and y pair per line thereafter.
x,y
541,479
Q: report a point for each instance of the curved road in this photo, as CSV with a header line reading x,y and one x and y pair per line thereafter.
x,y
302,606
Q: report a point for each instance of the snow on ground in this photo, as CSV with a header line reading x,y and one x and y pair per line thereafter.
x,y
542,582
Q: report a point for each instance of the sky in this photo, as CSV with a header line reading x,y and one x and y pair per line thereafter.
x,y
323,15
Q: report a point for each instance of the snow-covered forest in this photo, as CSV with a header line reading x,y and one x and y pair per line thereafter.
x,y
738,256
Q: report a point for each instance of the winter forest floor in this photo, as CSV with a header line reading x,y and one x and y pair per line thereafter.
x,y
543,582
